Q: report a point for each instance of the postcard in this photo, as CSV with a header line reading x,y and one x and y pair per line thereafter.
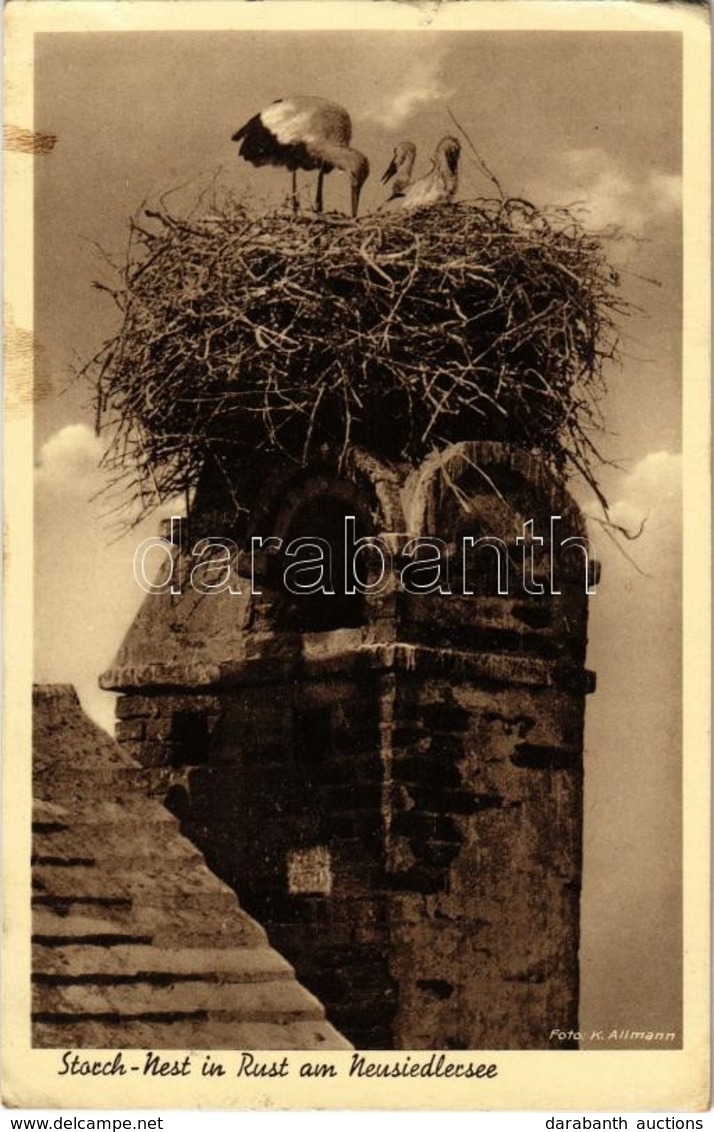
x,y
357,556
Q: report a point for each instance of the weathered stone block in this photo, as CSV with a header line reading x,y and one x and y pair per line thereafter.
x,y
129,730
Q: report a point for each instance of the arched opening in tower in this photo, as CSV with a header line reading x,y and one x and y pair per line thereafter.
x,y
319,522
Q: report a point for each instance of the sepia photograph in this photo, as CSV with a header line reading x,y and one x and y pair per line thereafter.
x,y
361,401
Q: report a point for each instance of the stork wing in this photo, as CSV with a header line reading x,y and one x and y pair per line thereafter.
x,y
308,121
257,143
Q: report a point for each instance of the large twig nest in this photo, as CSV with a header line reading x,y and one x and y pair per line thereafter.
x,y
400,331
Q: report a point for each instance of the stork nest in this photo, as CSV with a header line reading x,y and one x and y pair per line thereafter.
x,y
402,331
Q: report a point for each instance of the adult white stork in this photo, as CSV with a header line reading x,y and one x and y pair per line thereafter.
x,y
439,185
400,168
304,133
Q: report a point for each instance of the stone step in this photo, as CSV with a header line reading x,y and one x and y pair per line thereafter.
x,y
131,811
162,927
181,1035
278,1000
90,881
119,909
105,784
62,860
161,907
125,842
182,859
225,965
53,930
197,889
238,934
114,836
232,927
150,884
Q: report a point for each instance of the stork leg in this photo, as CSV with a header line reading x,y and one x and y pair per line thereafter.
x,y
294,196
318,200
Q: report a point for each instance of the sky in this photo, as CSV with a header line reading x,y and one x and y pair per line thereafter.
x,y
587,119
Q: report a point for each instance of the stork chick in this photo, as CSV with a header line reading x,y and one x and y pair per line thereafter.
x,y
439,185
400,168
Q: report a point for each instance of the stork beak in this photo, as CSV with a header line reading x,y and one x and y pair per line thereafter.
x,y
356,189
452,159
390,171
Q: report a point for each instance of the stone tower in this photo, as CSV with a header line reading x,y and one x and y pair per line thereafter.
x,y
391,780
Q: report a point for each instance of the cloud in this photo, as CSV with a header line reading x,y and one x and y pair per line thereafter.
x,y
646,502
666,191
609,194
421,84
85,591
651,492
69,464
69,461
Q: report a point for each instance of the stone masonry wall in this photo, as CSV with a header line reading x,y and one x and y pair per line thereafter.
x,y
485,848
